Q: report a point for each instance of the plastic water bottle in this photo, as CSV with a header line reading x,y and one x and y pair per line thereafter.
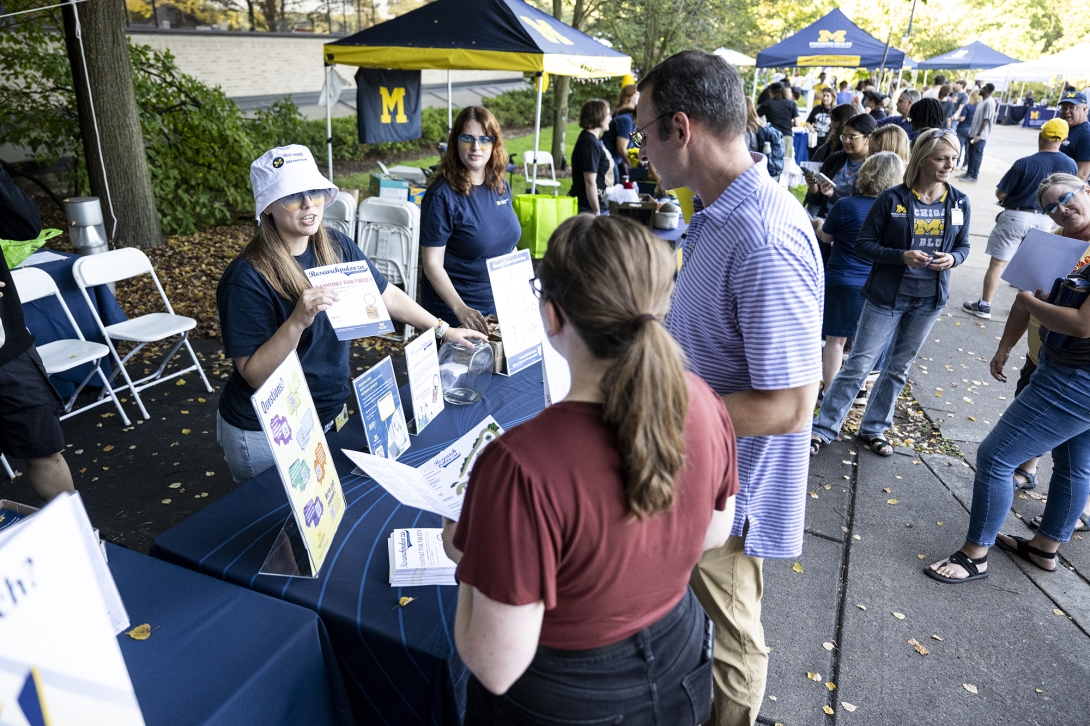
x,y
767,149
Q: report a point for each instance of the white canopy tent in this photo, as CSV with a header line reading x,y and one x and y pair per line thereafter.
x,y
734,57
1071,63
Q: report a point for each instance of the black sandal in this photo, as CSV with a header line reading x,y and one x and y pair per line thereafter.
x,y
816,442
878,445
1024,549
1030,483
965,562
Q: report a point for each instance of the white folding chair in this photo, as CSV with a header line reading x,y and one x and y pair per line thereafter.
x,y
121,264
7,467
67,353
543,158
341,215
388,232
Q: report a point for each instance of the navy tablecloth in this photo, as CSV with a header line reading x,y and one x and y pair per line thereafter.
x,y
399,663
219,655
46,319
1036,117
800,140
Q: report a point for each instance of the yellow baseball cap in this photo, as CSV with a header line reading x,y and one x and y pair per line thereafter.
x,y
1055,129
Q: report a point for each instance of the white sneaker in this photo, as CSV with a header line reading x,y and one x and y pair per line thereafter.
x,y
873,376
861,399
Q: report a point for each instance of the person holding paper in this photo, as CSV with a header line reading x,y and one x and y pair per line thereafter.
x,y
914,233
467,217
268,307
1048,414
574,569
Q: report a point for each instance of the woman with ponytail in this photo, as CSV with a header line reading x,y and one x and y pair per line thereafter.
x,y
581,526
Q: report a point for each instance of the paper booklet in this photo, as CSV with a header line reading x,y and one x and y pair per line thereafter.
x,y
1040,259
439,485
60,663
417,558
360,311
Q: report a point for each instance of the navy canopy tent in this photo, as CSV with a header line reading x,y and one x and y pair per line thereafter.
x,y
974,55
831,41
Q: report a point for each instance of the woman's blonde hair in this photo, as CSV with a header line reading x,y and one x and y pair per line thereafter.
x,y
752,123
1060,178
270,254
926,143
624,98
974,97
891,137
612,280
879,172
454,172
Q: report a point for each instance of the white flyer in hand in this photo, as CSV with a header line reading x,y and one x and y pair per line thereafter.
x,y
360,311
1041,258
516,307
439,485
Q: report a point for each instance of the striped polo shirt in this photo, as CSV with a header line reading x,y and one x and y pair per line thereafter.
x,y
747,312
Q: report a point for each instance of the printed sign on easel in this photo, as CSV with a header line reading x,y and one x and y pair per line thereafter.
x,y
381,410
290,421
516,307
425,384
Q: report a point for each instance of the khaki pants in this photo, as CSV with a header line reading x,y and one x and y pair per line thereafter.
x,y
729,584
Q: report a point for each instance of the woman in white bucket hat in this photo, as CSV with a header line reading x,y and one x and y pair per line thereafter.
x,y
268,308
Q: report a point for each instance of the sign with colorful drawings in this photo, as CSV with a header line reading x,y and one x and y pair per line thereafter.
x,y
288,417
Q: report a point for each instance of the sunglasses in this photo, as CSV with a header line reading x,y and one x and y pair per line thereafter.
x,y
467,140
318,197
638,137
1064,201
939,133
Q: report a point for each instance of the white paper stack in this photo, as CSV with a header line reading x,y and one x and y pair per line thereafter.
x,y
417,558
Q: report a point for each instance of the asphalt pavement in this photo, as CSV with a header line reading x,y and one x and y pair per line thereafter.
x,y
1011,649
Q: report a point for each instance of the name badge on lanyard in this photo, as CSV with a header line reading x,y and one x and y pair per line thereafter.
x,y
957,217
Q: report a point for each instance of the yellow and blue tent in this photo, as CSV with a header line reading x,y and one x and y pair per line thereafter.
x,y
835,41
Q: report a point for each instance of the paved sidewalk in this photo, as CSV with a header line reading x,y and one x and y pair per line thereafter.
x,y
1021,638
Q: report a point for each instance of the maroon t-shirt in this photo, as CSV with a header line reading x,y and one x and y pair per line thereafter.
x,y
545,518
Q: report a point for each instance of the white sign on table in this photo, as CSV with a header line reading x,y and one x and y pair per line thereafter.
x,y
1041,258
360,311
438,486
60,663
516,307
425,384
290,422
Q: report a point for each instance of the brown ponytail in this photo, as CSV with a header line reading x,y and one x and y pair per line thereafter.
x,y
612,279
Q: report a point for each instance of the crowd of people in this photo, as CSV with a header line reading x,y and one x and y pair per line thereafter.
x,y
633,565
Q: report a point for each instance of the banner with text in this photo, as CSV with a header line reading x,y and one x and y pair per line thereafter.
x,y
387,105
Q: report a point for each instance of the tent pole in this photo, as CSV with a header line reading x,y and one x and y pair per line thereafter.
x,y
753,95
914,72
329,118
450,106
1063,85
537,131
1022,91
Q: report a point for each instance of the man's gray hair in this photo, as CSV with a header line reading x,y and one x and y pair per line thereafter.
x,y
912,94
701,85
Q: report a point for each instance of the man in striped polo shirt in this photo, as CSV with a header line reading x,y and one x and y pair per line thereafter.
x,y
747,312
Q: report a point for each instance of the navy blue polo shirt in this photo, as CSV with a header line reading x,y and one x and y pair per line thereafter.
x,y
1022,179
474,228
251,311
622,125
1077,143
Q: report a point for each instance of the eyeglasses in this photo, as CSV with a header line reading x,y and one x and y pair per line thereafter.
x,y
318,197
468,140
1064,201
638,137
854,137
535,285
939,133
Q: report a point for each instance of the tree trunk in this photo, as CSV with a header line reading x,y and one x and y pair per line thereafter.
x,y
126,185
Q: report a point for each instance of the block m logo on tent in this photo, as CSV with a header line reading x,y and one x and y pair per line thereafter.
x,y
393,102
551,34
832,36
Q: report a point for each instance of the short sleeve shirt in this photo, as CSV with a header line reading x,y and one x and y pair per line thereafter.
x,y
473,228
621,126
821,119
843,222
747,311
1077,143
540,527
780,113
1025,175
588,155
251,311
844,180
928,229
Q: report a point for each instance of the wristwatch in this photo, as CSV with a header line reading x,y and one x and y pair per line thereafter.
x,y
441,329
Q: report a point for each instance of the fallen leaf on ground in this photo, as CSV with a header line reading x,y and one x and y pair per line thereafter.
x,y
403,601
891,501
181,382
899,616
813,676
972,419
827,645
969,687
827,709
919,648
830,685
175,485
921,556
186,431
896,477
1058,611
847,706
861,606
846,463
797,567
813,495
166,501
887,490
855,536
935,637
108,447
771,698
1038,690
140,632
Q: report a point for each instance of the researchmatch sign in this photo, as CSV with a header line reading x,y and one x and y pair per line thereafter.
x,y
290,421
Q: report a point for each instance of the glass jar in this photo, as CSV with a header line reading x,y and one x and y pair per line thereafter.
x,y
466,370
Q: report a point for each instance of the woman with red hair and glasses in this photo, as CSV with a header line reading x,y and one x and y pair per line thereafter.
x,y
467,217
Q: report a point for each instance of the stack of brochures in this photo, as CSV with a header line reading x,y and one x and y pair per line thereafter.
x,y
417,558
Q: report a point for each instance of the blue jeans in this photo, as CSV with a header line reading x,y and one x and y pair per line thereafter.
x,y
1050,413
904,327
963,139
976,155
247,453
661,676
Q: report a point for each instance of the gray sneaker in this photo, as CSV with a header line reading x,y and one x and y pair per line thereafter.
x,y
979,308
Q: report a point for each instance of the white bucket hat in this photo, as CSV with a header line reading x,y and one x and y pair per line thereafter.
x,y
283,171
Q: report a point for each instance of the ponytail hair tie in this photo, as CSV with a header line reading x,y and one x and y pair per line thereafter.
x,y
638,322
